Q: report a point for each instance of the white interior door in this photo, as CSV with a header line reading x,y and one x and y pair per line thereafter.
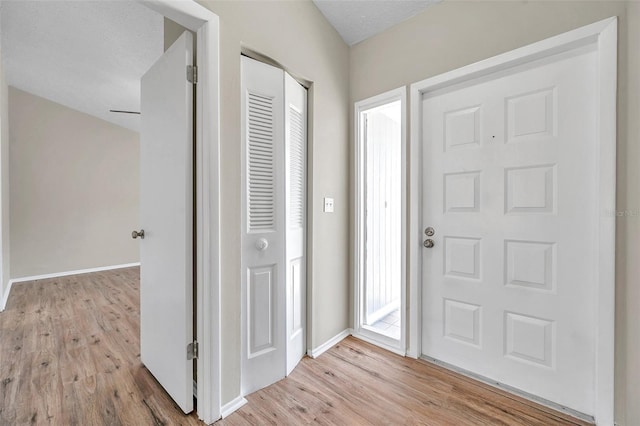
x,y
295,160
263,226
509,188
166,215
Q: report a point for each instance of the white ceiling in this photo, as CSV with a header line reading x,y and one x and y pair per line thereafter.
x,y
90,55
86,55
357,20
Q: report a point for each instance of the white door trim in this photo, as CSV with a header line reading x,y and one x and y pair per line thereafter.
x,y
603,35
205,24
358,248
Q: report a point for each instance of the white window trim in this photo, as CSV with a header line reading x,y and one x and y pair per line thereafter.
x,y
399,94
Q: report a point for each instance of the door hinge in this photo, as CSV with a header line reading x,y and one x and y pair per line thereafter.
x,y
192,351
192,74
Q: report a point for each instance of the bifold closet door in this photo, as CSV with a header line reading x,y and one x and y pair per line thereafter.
x,y
263,225
273,224
295,171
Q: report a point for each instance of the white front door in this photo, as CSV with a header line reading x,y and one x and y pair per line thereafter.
x,y
263,226
509,188
166,215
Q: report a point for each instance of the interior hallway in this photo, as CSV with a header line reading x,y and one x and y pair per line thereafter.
x,y
70,355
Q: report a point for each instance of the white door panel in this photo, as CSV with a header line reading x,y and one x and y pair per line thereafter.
x,y
274,116
295,160
509,186
263,226
166,215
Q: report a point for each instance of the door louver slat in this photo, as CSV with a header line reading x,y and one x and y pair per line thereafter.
x,y
297,168
261,179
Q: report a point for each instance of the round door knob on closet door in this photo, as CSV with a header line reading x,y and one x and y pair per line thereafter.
x,y
262,244
428,243
136,234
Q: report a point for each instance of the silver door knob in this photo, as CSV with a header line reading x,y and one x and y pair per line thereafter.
x,y
136,234
262,244
428,243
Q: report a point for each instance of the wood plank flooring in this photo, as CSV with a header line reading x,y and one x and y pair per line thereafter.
x,y
355,383
69,355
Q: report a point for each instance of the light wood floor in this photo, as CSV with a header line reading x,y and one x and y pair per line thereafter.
x,y
69,355
355,383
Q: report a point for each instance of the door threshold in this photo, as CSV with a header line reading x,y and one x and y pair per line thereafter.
x,y
379,340
515,391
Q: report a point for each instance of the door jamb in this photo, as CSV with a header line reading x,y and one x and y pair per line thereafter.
x,y
602,34
399,94
205,24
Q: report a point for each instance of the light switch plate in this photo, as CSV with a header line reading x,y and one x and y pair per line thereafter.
x,y
328,205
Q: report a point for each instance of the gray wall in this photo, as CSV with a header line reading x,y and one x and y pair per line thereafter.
x,y
456,33
74,188
295,34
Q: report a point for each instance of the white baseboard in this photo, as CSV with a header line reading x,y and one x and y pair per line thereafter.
x,y
315,353
5,298
232,406
78,272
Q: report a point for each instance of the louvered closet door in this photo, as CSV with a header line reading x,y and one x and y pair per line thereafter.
x,y
295,158
263,226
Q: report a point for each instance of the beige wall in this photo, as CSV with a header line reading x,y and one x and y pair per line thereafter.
x,y
295,34
628,228
74,186
172,31
5,255
456,33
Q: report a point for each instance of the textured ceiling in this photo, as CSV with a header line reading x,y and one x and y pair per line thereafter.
x,y
357,20
86,55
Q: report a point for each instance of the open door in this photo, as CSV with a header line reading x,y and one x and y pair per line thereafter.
x,y
166,216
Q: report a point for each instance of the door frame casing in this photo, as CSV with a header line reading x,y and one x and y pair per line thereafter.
x,y
206,25
602,35
399,94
